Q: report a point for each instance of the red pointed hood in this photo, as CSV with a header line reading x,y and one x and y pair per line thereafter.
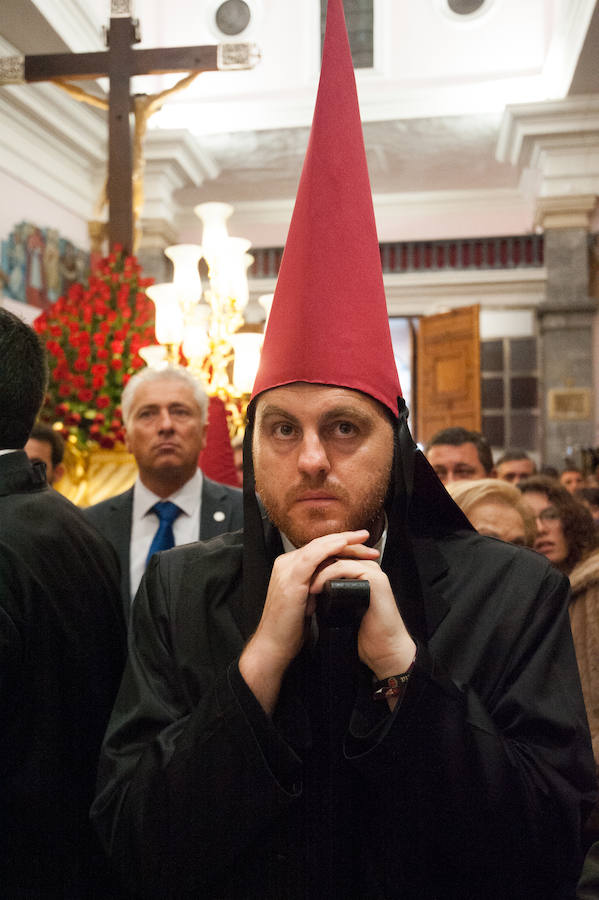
x,y
328,323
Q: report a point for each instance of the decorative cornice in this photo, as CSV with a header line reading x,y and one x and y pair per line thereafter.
x,y
571,211
180,149
525,126
418,294
157,233
422,215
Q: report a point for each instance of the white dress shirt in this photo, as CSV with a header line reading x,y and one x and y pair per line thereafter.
x,y
144,522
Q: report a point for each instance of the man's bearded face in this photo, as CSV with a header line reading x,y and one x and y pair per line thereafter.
x,y
322,460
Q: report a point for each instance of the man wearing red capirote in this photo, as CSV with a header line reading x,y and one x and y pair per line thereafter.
x,y
437,746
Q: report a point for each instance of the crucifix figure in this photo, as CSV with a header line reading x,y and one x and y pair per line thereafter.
x,y
120,62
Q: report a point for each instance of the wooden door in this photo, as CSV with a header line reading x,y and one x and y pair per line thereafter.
x,y
448,372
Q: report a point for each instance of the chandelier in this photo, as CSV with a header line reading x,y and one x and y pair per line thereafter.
x,y
205,322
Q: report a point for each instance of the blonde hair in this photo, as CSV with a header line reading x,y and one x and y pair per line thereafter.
x,y
468,494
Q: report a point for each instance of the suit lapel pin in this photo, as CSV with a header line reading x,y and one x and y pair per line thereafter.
x,y
219,516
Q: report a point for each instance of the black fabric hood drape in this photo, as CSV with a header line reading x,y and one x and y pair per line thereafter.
x,y
418,506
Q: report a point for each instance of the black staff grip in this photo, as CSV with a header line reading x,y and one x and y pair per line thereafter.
x,y
342,602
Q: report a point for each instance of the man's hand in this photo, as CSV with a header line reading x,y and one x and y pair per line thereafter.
x,y
289,601
384,643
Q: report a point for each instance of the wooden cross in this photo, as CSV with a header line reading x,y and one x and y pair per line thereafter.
x,y
119,63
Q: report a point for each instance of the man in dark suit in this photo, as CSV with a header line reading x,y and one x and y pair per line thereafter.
x,y
457,454
164,412
62,650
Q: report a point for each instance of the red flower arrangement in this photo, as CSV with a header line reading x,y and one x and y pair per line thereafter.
x,y
93,336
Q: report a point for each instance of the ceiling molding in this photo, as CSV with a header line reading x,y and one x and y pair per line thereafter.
x,y
65,164
180,148
567,211
524,125
72,123
566,44
406,216
76,22
419,294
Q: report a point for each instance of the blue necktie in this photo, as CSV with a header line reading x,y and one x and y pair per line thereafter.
x,y
164,538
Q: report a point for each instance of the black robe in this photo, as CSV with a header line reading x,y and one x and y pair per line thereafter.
x,y
62,653
474,787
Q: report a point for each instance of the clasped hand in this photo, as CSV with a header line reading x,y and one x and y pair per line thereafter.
x,y
384,643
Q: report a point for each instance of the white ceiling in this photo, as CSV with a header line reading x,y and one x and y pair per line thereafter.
x,y
432,105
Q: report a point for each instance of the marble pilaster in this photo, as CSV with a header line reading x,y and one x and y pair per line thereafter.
x,y
566,321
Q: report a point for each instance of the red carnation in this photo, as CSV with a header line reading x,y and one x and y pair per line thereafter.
x,y
116,364
103,401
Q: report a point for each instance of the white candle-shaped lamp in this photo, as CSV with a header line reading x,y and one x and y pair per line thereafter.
x,y
195,342
214,219
229,273
246,346
186,275
169,314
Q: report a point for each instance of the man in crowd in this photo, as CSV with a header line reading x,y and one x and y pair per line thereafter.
x,y
571,478
62,651
458,454
46,444
172,502
271,742
514,466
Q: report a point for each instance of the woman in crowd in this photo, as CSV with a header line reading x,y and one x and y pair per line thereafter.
x,y
495,508
565,529
567,536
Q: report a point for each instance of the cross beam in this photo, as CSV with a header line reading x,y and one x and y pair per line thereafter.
x,y
119,63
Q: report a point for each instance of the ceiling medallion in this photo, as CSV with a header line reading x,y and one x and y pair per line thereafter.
x,y
232,17
465,7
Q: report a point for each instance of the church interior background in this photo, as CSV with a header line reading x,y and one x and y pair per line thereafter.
x,y
481,125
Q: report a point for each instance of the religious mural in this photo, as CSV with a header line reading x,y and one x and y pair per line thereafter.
x,y
39,266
